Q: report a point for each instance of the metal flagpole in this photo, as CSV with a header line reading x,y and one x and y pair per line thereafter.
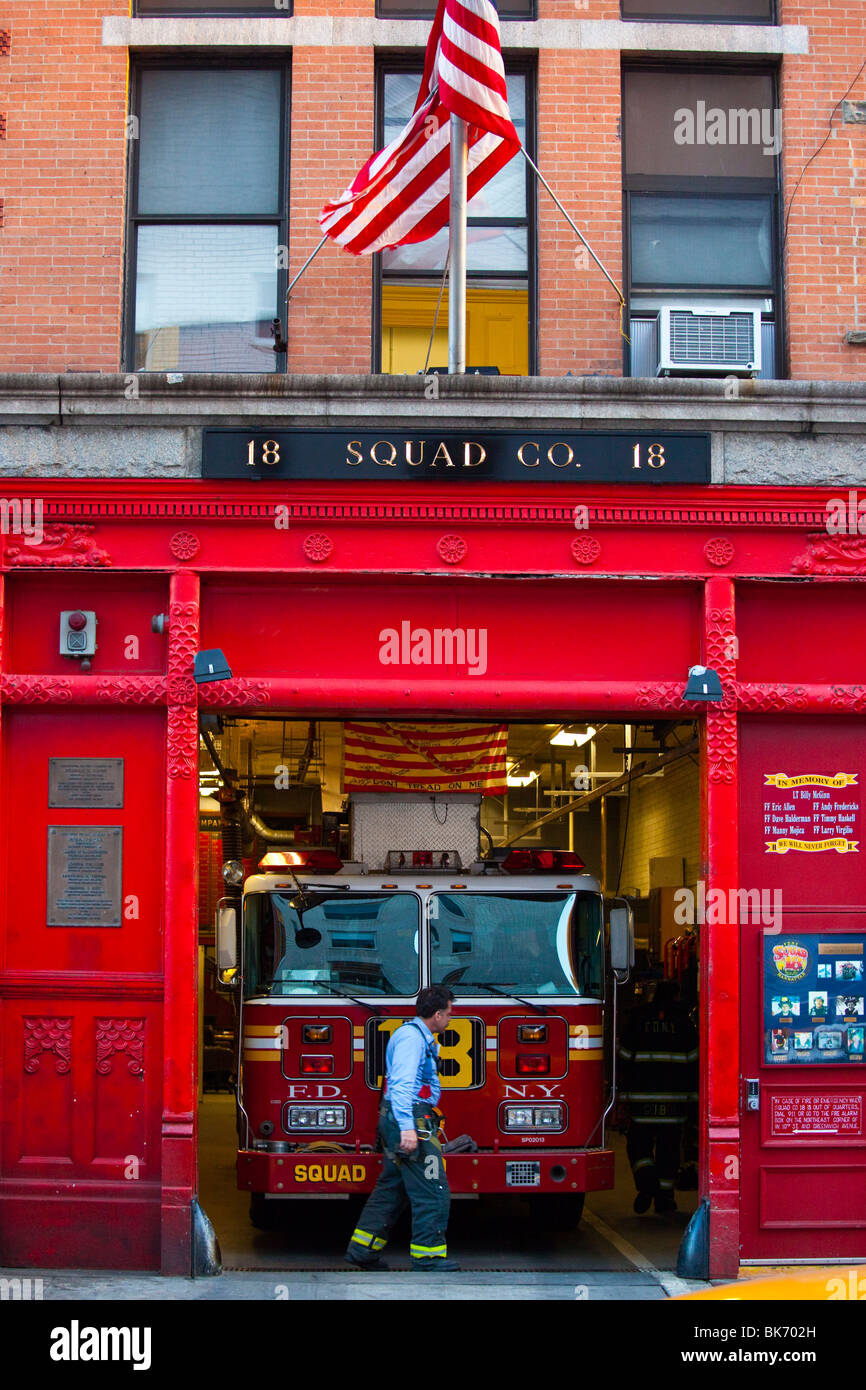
x,y
457,233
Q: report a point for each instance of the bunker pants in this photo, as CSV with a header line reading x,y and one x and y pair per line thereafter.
x,y
417,1180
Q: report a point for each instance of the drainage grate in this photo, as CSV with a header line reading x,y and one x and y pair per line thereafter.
x,y
519,1174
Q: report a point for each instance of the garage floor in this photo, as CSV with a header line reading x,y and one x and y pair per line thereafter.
x,y
496,1233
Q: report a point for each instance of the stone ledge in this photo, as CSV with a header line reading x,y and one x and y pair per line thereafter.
x,y
326,32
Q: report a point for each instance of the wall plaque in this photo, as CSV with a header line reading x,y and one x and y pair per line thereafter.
x,y
88,782
806,1113
530,456
84,875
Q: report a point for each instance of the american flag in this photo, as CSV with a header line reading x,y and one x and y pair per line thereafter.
x,y
402,193
425,757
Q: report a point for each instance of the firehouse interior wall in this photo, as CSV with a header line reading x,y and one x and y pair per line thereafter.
x,y
100,1019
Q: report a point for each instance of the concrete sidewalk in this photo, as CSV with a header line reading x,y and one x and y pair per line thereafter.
x,y
273,1286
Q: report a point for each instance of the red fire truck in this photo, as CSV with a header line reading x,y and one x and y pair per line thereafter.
x,y
329,964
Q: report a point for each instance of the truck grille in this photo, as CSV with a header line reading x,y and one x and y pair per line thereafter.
x,y
519,1174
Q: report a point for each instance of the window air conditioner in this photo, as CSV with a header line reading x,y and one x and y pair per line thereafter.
x,y
710,339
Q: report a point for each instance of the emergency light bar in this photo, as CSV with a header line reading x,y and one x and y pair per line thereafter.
x,y
320,861
540,861
422,859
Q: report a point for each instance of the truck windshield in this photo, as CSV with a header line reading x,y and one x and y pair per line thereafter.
x,y
531,943
361,944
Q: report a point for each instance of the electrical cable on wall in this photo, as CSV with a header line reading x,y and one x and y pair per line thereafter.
x,y
817,152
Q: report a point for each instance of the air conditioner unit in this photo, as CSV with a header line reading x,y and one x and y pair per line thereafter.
x,y
710,339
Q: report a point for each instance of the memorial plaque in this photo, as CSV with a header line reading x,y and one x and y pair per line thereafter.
x,y
84,875
85,782
814,998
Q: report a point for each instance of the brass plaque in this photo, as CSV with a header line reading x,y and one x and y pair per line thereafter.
x,y
84,875
85,782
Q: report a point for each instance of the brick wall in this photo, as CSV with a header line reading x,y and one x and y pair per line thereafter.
x,y
826,249
63,96
664,820
580,155
62,185
330,315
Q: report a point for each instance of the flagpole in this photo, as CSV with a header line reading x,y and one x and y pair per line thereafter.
x,y
457,233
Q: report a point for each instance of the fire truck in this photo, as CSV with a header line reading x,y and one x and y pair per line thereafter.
x,y
328,959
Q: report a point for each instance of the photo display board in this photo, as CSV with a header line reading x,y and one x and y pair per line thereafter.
x,y
814,998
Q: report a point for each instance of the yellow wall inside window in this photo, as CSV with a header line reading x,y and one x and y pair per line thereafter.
x,y
497,329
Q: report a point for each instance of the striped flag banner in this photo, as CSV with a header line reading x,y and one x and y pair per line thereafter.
x,y
426,758
402,193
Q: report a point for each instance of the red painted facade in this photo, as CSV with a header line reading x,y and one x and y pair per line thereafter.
x,y
101,1022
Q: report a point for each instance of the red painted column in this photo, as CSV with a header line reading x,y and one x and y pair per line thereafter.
x,y
179,1107
719,1013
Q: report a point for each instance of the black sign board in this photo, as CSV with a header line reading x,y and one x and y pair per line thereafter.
x,y
490,455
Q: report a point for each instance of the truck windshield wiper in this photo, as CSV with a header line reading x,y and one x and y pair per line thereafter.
x,y
344,995
506,994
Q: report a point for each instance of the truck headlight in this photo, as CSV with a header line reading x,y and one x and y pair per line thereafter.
x,y
533,1117
317,1117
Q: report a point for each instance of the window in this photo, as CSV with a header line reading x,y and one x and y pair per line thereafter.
x,y
701,192
208,217
500,250
529,942
424,9
703,11
335,944
202,8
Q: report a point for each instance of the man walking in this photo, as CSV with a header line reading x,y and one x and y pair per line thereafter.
x,y
413,1169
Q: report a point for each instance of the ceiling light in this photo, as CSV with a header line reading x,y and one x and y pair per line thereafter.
x,y
573,738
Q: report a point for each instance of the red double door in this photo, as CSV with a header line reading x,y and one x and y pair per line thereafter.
x,y
803,963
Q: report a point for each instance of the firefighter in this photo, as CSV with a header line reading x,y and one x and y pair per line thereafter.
x,y
413,1169
659,1053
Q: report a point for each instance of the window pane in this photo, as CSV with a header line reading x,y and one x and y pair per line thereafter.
x,y
201,8
719,125
205,298
423,9
701,241
209,142
497,328
488,249
707,10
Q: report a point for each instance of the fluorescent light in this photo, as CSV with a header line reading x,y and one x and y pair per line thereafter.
x,y
513,780
570,738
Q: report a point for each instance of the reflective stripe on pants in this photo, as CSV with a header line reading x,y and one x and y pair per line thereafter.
x,y
417,1180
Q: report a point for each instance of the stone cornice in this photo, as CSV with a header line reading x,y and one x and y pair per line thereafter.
x,y
796,407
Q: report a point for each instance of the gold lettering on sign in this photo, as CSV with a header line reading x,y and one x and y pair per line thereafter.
x,y
384,463
354,448
467,459
414,463
560,444
530,444
442,452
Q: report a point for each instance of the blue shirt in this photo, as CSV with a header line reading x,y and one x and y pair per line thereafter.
x,y
410,1064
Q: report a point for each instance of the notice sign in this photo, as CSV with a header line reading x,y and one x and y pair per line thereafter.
x,y
814,1114
84,873
814,813
93,782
